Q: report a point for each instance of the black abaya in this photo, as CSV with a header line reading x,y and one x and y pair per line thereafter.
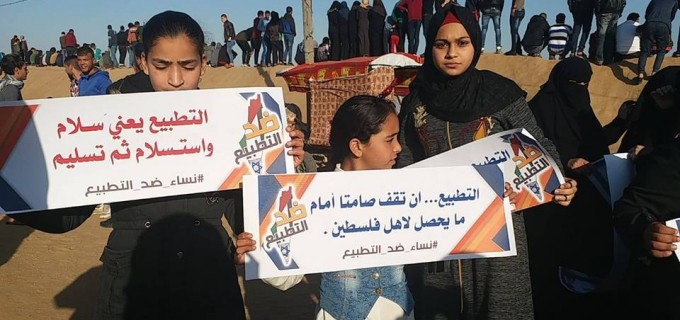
x,y
376,32
353,32
364,43
334,31
580,236
343,34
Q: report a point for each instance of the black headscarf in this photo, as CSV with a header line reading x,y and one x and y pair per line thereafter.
x,y
344,10
469,96
379,7
650,123
562,109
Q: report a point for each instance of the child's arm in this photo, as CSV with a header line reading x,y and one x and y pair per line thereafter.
x,y
245,244
284,283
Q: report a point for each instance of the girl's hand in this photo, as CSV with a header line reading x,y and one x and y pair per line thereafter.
x,y
511,194
244,244
565,193
296,144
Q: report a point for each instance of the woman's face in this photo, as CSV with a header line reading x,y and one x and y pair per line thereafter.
x,y
174,64
381,150
452,51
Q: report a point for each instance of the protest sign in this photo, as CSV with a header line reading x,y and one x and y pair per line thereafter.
x,y
309,223
611,175
526,165
58,153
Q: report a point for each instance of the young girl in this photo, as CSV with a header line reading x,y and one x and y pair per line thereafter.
x,y
451,104
363,137
167,258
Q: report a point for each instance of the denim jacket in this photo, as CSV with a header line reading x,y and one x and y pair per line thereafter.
x,y
350,294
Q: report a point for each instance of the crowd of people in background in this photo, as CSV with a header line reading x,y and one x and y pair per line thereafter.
x,y
366,29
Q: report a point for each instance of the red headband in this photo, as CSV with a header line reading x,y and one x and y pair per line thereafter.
x,y
450,18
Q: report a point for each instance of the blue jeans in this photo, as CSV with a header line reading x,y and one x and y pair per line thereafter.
x,y
413,35
230,48
655,33
265,51
606,31
515,21
288,47
496,15
112,50
582,26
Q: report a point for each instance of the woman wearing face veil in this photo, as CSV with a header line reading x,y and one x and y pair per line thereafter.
x,y
578,237
451,104
562,109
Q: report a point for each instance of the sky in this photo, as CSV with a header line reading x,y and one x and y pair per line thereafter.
x,y
42,21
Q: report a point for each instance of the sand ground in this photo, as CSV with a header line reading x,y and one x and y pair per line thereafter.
x,y
46,276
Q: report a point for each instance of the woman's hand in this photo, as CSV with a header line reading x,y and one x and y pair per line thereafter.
x,y
634,152
296,144
244,244
511,194
659,240
565,193
577,164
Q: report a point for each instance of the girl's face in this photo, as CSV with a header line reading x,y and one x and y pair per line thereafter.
x,y
452,51
174,64
381,150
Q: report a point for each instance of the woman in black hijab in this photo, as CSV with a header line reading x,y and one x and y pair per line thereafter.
x,y
451,104
376,28
578,237
362,27
562,109
343,30
651,122
640,216
334,30
353,28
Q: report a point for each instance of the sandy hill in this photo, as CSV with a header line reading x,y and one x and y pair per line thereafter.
x,y
45,276
610,86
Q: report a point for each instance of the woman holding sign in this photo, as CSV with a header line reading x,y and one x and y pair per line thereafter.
x,y
562,110
167,258
451,104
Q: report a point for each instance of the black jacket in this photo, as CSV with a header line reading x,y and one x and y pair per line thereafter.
x,y
491,4
609,6
537,32
229,32
121,38
138,82
173,255
651,197
662,11
581,7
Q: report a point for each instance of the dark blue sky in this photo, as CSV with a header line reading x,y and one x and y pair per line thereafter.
x,y
41,21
